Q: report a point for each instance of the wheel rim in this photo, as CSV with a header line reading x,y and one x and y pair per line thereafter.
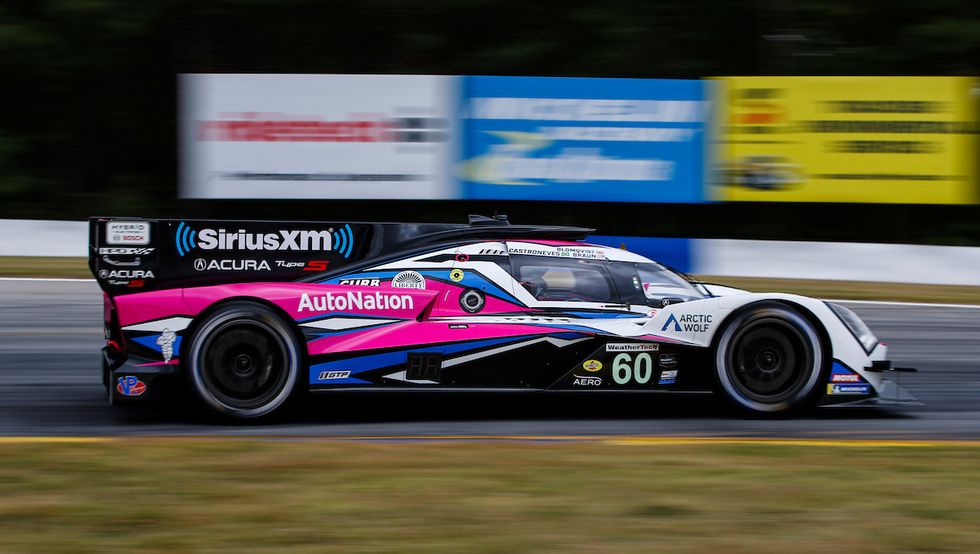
x,y
769,360
245,366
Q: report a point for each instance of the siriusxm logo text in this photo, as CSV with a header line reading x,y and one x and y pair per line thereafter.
x,y
354,301
341,240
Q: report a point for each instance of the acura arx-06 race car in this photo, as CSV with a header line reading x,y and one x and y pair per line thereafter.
x,y
246,315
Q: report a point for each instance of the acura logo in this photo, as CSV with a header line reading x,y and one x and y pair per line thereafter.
x,y
200,264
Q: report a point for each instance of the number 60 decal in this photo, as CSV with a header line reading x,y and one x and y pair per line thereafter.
x,y
625,368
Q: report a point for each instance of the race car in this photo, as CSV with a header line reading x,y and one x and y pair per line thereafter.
x,y
245,316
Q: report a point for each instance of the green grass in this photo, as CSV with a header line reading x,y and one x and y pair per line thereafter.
x,y
180,495
24,266
854,290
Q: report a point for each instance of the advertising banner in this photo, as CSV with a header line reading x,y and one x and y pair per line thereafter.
x,y
316,136
910,140
674,252
584,139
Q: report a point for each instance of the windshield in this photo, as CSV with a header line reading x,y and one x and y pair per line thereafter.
x,y
558,280
552,279
651,284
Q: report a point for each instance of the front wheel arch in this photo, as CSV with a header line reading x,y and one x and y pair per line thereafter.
x,y
821,338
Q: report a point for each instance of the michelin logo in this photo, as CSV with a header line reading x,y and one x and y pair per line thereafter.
x,y
848,389
340,240
166,343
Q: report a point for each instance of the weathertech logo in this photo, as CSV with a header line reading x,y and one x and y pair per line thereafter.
x,y
341,240
631,347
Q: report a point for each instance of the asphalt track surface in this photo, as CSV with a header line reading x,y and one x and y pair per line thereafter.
x,y
51,332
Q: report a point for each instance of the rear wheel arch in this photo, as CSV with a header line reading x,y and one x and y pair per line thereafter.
x,y
269,315
220,304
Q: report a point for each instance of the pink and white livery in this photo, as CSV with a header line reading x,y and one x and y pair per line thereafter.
x,y
244,315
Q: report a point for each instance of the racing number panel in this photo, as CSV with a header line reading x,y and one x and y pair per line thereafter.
x,y
623,365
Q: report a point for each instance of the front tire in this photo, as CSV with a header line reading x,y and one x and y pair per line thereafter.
x,y
769,360
243,361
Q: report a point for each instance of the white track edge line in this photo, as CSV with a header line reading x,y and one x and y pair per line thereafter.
x,y
890,303
54,279
882,302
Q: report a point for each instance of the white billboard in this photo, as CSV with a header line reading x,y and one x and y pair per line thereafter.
x,y
316,136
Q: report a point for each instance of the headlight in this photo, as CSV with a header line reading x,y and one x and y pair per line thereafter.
x,y
857,327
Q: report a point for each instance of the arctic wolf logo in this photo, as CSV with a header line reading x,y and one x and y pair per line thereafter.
x,y
691,323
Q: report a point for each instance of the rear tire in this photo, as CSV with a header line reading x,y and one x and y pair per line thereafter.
x,y
769,360
243,361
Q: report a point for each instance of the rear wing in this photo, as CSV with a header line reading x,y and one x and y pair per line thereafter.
x,y
129,255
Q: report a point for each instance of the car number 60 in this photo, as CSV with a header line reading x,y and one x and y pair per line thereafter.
x,y
625,368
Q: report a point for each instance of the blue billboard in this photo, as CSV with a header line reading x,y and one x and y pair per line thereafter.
x,y
583,139
674,252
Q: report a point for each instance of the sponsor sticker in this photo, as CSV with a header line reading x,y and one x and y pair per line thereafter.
x,y
125,274
688,323
668,361
130,386
667,377
845,378
587,381
848,389
408,280
201,264
127,232
355,300
121,251
458,326
166,343
188,238
592,365
361,282
631,347
331,375
456,275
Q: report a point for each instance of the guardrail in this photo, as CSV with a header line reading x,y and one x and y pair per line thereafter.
x,y
845,261
28,237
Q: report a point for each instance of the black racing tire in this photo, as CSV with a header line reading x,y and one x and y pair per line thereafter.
x,y
243,361
770,360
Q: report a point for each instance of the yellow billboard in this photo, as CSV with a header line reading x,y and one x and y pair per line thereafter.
x,y
908,140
